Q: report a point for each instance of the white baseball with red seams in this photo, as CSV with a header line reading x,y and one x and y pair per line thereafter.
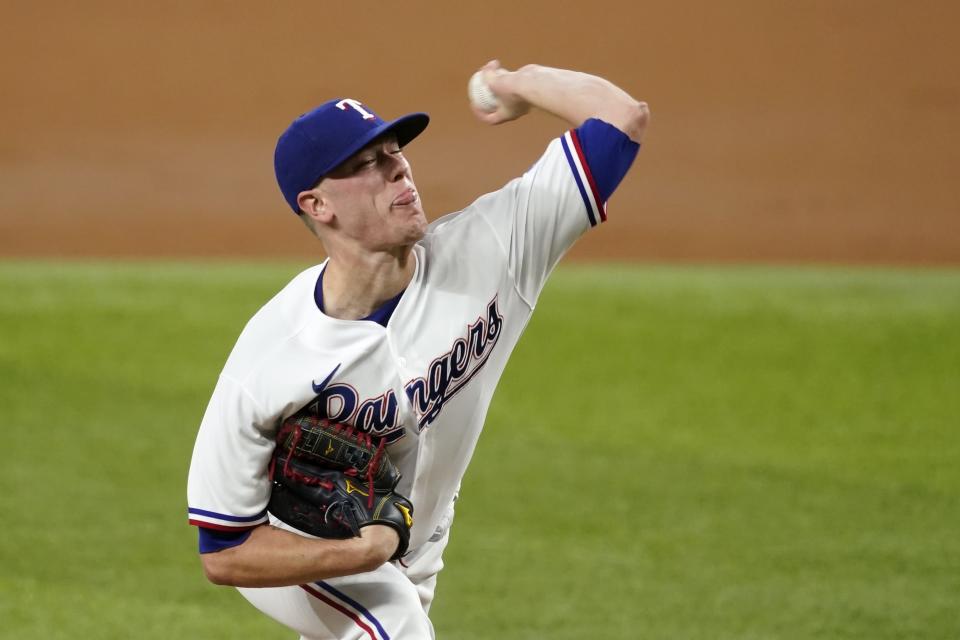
x,y
480,94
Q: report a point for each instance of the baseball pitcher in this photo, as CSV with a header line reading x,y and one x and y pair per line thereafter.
x,y
329,458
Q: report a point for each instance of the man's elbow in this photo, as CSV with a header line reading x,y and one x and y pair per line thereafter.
x,y
633,120
216,567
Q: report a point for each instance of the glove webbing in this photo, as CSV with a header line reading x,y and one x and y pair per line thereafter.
x,y
350,432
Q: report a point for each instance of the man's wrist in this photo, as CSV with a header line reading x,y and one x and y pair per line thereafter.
x,y
380,543
514,85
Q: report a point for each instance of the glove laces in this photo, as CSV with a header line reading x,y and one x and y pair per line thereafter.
x,y
360,438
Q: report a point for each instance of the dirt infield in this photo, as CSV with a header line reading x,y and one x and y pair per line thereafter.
x,y
825,131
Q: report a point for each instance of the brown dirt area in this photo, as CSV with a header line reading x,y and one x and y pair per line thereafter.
x,y
816,131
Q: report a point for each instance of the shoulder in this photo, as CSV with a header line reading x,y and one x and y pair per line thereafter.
x,y
472,223
280,319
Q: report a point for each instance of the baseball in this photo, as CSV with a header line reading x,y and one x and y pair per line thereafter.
x,y
480,94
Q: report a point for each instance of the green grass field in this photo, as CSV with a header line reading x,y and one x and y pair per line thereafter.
x,y
682,453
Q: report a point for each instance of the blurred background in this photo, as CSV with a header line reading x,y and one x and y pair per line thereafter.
x,y
777,441
809,131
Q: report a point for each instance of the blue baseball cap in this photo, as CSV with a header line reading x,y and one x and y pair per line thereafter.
x,y
318,141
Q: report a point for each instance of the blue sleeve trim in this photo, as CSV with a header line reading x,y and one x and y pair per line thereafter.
x,y
223,516
212,540
594,210
608,152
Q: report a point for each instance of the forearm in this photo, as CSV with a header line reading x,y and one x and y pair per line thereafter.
x,y
272,557
574,97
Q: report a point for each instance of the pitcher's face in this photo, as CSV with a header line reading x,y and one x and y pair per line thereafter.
x,y
374,199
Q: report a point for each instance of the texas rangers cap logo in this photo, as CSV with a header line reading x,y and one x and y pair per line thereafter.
x,y
356,104
318,141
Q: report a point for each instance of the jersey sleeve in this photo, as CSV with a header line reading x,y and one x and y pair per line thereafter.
x,y
539,216
228,487
213,540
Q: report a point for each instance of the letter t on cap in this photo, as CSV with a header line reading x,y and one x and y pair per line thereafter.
x,y
350,102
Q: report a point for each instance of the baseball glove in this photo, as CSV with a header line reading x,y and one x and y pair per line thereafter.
x,y
331,480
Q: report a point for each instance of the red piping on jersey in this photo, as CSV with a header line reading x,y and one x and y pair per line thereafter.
x,y
586,170
221,527
339,607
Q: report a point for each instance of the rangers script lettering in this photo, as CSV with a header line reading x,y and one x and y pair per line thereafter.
x,y
454,369
340,403
446,375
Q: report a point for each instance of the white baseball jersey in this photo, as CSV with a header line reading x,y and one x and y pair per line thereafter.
x,y
425,380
